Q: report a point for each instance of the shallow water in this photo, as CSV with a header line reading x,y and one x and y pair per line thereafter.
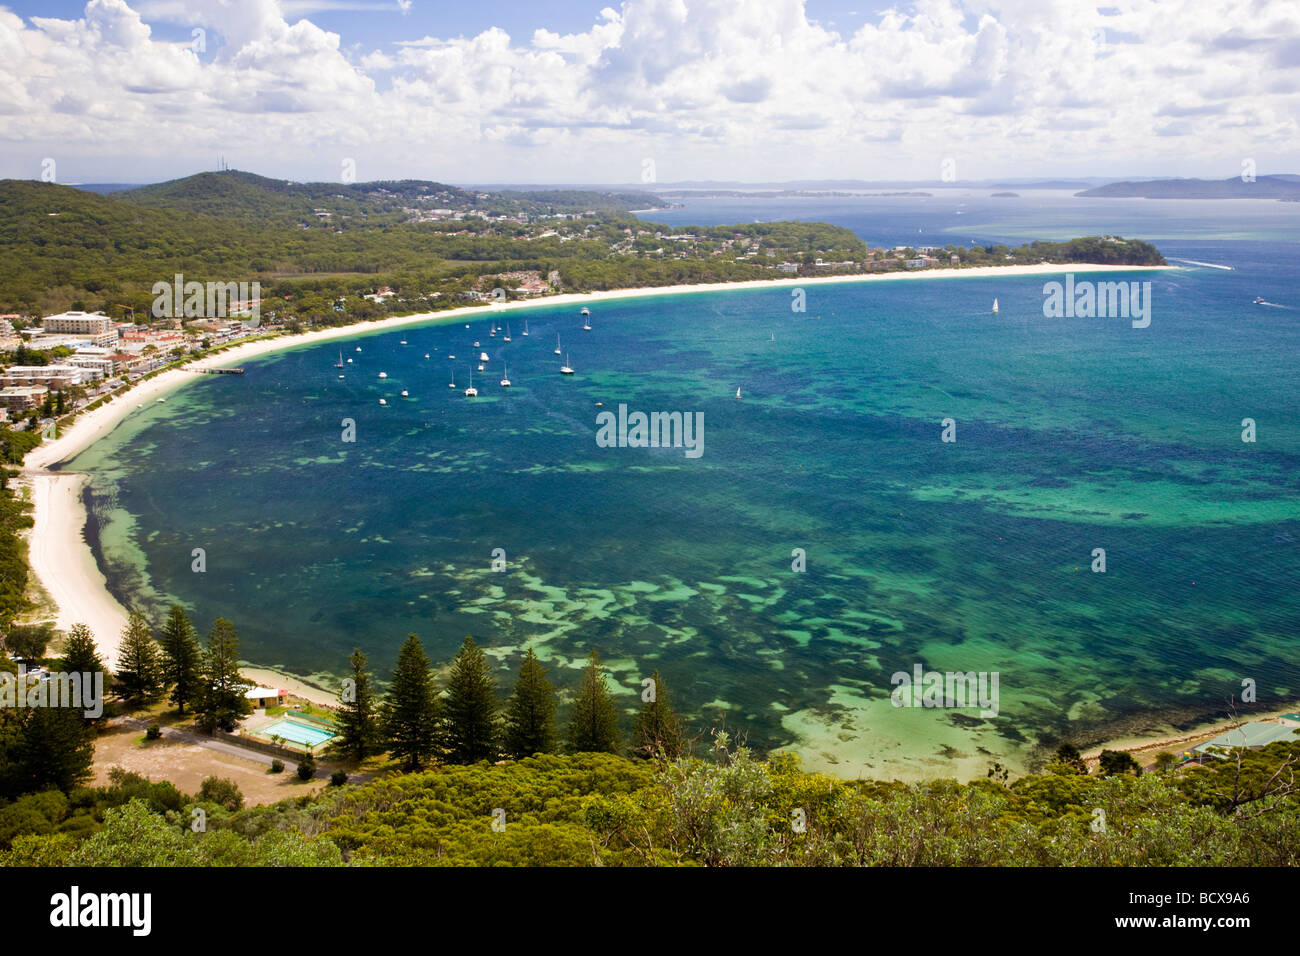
x,y
1072,434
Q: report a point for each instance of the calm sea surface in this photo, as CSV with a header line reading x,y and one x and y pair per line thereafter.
x,y
975,555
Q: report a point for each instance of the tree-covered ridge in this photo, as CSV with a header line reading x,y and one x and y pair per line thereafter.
x,y
727,810
66,248
242,195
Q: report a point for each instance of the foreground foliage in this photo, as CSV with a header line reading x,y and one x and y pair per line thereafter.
x,y
730,810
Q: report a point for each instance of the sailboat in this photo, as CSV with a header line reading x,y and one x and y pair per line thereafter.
x,y
339,363
585,311
557,344
995,306
505,378
452,383
738,391
471,392
405,394
483,357
525,326
586,323
564,369
507,332
493,330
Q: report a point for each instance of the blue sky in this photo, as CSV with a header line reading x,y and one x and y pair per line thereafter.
x,y
641,90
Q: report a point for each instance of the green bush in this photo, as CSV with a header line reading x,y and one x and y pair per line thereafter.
x,y
277,765
307,767
153,733
338,778
223,792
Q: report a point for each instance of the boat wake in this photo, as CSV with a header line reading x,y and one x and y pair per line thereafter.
x,y
1208,265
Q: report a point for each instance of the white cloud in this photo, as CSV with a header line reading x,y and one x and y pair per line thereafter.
x,y
708,88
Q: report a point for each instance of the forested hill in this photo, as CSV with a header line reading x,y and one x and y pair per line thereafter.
x,y
242,195
1262,187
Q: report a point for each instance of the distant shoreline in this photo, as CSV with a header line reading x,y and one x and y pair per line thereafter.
x,y
63,561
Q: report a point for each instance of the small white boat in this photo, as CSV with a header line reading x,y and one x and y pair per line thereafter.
x,y
493,331
349,361
483,357
403,342
565,369
505,377
426,354
451,356
507,332
585,311
738,392
557,344
452,383
358,348
475,345
405,394
340,362
586,323
995,306
383,401
525,326
481,366
340,376
471,392
383,375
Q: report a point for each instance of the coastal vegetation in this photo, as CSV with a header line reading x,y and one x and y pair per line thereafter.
x,y
319,249
463,788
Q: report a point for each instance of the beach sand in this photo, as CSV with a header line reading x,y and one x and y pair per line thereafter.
x,y
63,562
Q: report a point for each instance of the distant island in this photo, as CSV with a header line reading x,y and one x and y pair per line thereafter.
x,y
1005,196
1284,187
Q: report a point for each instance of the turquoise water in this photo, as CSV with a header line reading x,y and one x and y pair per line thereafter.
x,y
295,733
1072,434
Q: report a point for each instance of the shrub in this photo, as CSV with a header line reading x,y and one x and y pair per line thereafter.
x,y
338,778
223,792
277,765
307,767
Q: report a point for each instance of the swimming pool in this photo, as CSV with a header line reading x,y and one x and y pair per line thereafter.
x,y
295,732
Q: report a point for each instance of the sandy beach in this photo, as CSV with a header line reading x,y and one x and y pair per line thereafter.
x,y
62,560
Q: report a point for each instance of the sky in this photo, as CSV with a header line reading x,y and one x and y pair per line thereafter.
x,y
648,91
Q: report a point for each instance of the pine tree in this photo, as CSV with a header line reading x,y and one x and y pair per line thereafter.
x,y
80,656
139,662
530,715
358,725
658,728
57,748
411,708
471,707
593,724
221,700
184,660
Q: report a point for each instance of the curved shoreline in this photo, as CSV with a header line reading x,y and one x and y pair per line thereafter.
x,y
62,560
